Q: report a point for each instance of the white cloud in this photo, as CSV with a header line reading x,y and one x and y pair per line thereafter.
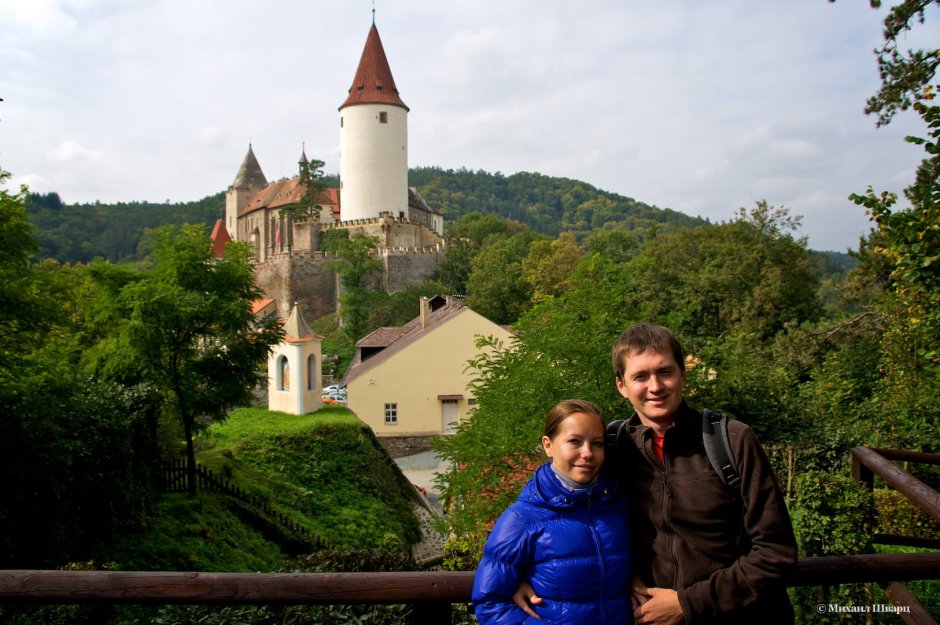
x,y
72,152
701,107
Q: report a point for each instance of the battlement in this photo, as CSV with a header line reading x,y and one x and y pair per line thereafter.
x,y
384,217
430,249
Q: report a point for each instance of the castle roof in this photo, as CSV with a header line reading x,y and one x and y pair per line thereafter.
x,y
249,174
416,200
219,238
373,83
286,192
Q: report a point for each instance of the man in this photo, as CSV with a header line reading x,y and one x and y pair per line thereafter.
x,y
703,553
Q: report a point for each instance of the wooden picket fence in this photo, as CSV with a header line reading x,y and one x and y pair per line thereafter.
x,y
171,477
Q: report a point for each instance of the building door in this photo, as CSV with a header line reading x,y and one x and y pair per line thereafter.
x,y
448,416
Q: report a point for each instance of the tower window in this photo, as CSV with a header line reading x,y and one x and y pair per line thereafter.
x,y
341,121
383,117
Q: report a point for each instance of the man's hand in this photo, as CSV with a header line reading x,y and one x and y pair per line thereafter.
x,y
660,608
525,598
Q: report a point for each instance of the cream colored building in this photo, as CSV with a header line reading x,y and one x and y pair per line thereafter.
x,y
412,380
294,368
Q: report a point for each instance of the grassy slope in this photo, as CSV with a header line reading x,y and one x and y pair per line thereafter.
x,y
324,470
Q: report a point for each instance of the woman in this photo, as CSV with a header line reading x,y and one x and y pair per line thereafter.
x,y
566,535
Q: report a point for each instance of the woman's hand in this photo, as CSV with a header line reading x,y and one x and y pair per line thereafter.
x,y
525,598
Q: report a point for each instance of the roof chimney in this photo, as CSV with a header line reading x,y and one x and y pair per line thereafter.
x,y
425,312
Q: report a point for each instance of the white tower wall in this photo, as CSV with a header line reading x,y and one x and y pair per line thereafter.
x,y
373,164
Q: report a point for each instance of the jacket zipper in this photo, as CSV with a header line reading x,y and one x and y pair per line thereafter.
x,y
600,560
666,496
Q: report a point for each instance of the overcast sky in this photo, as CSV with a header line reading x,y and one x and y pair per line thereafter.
x,y
703,107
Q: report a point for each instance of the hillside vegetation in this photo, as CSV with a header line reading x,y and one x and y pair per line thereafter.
x,y
73,233
324,471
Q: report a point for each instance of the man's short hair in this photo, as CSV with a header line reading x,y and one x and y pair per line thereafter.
x,y
641,337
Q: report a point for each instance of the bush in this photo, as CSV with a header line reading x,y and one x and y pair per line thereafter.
x,y
832,515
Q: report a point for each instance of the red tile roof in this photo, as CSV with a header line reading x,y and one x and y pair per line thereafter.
x,y
373,83
258,305
289,191
219,238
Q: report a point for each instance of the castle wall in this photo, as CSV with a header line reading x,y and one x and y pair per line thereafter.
x,y
303,278
404,268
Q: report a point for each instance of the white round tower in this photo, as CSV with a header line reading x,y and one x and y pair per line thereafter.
x,y
373,164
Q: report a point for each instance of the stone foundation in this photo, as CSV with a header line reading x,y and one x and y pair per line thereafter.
x,y
399,446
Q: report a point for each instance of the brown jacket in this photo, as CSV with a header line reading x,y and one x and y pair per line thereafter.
x,y
692,534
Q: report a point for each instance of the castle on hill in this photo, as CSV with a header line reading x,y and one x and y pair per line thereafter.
x,y
373,198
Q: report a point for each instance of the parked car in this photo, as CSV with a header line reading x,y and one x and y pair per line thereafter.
x,y
334,388
334,398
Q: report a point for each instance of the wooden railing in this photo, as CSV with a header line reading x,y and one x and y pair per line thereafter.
x,y
866,464
431,594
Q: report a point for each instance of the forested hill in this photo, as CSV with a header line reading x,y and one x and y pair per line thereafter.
x,y
546,205
76,233
81,232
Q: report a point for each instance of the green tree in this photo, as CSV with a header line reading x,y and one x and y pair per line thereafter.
x,y
905,76
187,329
618,244
496,287
21,315
355,263
749,274
467,236
561,351
75,452
548,266
311,180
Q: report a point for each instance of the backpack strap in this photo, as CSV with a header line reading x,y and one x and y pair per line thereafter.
x,y
718,448
614,434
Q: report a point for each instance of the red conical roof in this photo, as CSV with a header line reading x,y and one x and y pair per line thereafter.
x,y
373,83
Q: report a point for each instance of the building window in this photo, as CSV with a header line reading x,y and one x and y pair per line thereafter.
x,y
383,117
312,373
283,374
391,414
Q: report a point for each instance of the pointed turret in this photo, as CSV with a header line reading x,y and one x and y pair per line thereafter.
x,y
296,329
219,237
373,83
250,174
248,182
373,140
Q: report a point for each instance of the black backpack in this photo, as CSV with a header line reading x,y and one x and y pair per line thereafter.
x,y
714,436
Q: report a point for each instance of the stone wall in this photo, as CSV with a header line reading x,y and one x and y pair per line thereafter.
x,y
404,268
399,446
303,277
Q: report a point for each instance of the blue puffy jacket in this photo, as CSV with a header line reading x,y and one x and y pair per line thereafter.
x,y
572,546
